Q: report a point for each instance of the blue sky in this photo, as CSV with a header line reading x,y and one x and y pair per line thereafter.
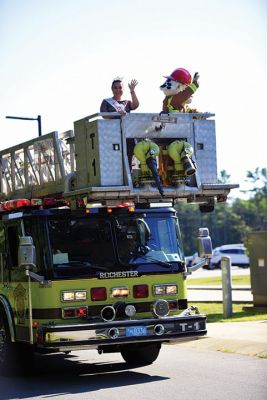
x,y
58,58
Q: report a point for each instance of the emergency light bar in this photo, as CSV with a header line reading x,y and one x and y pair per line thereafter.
x,y
50,202
18,204
12,205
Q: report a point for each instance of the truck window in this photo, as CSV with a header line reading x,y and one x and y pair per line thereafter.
x,y
80,247
13,245
35,228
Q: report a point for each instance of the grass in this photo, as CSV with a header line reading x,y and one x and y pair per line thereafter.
x,y
217,280
241,312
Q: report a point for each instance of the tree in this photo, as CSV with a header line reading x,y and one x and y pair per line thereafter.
x,y
224,224
229,222
224,177
259,180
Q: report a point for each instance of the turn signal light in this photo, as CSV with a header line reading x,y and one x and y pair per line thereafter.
x,y
73,312
173,304
98,294
140,291
81,312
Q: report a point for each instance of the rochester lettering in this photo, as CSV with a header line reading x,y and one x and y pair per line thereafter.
x,y
118,274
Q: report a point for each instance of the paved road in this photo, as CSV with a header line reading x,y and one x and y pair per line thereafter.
x,y
180,373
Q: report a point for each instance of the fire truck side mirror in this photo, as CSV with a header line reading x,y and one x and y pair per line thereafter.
x,y
144,230
204,243
26,253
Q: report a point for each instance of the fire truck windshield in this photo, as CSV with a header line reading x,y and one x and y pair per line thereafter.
x,y
154,240
86,247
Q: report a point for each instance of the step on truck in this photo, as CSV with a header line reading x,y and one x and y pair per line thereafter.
x,y
91,255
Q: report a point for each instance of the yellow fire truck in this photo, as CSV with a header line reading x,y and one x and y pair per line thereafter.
x,y
90,249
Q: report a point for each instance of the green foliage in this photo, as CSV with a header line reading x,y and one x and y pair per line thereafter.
x,y
224,224
241,312
258,179
237,280
224,177
228,223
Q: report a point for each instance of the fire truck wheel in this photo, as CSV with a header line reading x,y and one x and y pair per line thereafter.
x,y
7,348
138,355
15,358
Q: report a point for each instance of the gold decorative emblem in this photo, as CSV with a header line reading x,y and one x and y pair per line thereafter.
x,y
20,302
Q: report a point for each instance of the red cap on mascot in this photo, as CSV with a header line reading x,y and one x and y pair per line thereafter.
x,y
181,75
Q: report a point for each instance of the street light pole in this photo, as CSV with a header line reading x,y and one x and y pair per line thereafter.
x,y
38,119
39,125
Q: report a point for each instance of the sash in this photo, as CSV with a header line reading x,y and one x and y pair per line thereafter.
x,y
116,105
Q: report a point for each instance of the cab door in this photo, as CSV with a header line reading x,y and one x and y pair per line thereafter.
x,y
4,272
16,288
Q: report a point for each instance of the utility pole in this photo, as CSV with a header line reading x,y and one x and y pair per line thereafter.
x,y
38,119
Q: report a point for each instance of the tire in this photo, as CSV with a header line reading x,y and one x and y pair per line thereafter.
x,y
213,266
15,358
140,355
7,348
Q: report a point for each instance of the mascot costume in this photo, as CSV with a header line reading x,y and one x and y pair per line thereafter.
x,y
178,89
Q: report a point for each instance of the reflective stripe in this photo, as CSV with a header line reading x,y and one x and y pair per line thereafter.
x,y
193,87
170,107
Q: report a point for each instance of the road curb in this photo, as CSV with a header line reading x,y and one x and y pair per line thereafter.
x,y
243,347
246,338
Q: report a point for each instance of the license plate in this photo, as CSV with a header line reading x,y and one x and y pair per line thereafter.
x,y
136,331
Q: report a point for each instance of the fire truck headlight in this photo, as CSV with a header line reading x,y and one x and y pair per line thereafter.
x,y
169,290
81,295
122,291
74,295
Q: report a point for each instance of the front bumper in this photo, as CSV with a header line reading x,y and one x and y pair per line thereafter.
x,y
94,335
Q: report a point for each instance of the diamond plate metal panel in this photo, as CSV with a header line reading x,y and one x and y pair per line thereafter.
x,y
110,152
144,125
205,150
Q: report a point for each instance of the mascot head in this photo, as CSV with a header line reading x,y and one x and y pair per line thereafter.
x,y
176,82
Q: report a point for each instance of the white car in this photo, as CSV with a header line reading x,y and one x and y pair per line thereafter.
x,y
237,253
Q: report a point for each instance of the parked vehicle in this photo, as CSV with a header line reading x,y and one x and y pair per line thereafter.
x,y
237,252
